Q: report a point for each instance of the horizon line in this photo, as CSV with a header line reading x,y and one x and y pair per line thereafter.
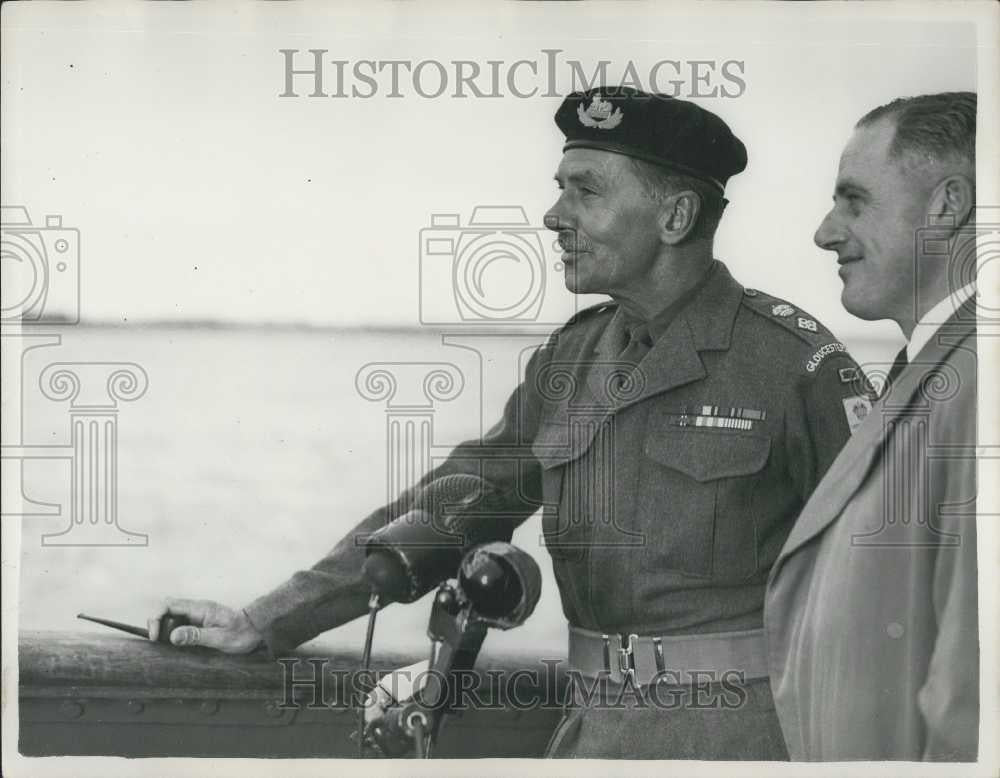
x,y
308,326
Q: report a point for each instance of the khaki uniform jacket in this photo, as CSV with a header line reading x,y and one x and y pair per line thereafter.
x,y
666,491
871,608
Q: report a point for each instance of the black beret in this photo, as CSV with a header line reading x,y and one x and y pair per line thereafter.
x,y
653,127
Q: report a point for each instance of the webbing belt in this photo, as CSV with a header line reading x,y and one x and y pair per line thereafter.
x,y
678,659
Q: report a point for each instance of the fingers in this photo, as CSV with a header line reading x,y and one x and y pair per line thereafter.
x,y
188,636
153,622
211,625
197,611
225,640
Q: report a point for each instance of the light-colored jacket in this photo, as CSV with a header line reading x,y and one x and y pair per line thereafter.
x,y
871,608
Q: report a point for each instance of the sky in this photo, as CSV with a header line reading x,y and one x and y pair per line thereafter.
x,y
157,131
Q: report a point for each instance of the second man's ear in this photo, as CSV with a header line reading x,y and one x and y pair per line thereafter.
x,y
953,200
679,216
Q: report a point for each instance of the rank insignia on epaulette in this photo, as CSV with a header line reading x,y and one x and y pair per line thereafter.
x,y
848,375
750,292
856,409
782,310
806,324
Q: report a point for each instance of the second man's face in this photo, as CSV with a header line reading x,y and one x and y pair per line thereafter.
x,y
607,223
878,207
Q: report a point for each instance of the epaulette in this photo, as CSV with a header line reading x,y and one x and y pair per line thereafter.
x,y
822,343
786,315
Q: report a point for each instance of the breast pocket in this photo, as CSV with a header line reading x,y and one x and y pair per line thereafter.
x,y
556,445
696,500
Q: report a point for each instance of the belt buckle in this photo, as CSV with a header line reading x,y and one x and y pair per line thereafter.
x,y
626,656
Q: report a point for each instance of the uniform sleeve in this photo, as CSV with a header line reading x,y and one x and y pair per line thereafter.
x,y
334,592
830,399
949,697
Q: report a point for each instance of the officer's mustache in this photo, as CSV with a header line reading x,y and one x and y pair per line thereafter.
x,y
570,241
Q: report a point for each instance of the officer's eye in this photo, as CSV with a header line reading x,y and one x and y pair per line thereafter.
x,y
854,201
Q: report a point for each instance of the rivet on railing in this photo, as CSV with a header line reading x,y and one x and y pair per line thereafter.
x,y
209,707
271,709
71,709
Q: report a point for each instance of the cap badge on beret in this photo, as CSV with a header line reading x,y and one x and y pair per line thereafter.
x,y
662,130
599,114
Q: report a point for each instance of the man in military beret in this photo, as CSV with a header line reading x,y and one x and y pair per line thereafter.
x,y
671,436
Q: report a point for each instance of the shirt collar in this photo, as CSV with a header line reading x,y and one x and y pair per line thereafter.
x,y
931,321
659,324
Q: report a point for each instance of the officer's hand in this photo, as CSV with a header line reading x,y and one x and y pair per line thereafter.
x,y
212,625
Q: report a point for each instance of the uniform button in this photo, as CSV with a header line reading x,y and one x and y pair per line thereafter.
x,y
895,630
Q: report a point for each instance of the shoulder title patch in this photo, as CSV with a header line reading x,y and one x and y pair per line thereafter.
x,y
822,353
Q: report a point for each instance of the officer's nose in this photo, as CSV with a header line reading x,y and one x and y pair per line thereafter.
x,y
556,218
830,232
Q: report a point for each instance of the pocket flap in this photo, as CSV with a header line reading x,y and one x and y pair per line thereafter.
x,y
706,455
560,442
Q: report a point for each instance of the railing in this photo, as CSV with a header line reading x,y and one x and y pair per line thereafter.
x,y
83,694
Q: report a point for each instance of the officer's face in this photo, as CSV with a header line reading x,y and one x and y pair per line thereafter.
x,y
607,224
877,208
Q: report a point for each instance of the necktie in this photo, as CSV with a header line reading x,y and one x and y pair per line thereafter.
x,y
639,344
898,366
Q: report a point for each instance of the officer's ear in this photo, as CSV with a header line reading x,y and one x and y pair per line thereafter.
x,y
679,215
